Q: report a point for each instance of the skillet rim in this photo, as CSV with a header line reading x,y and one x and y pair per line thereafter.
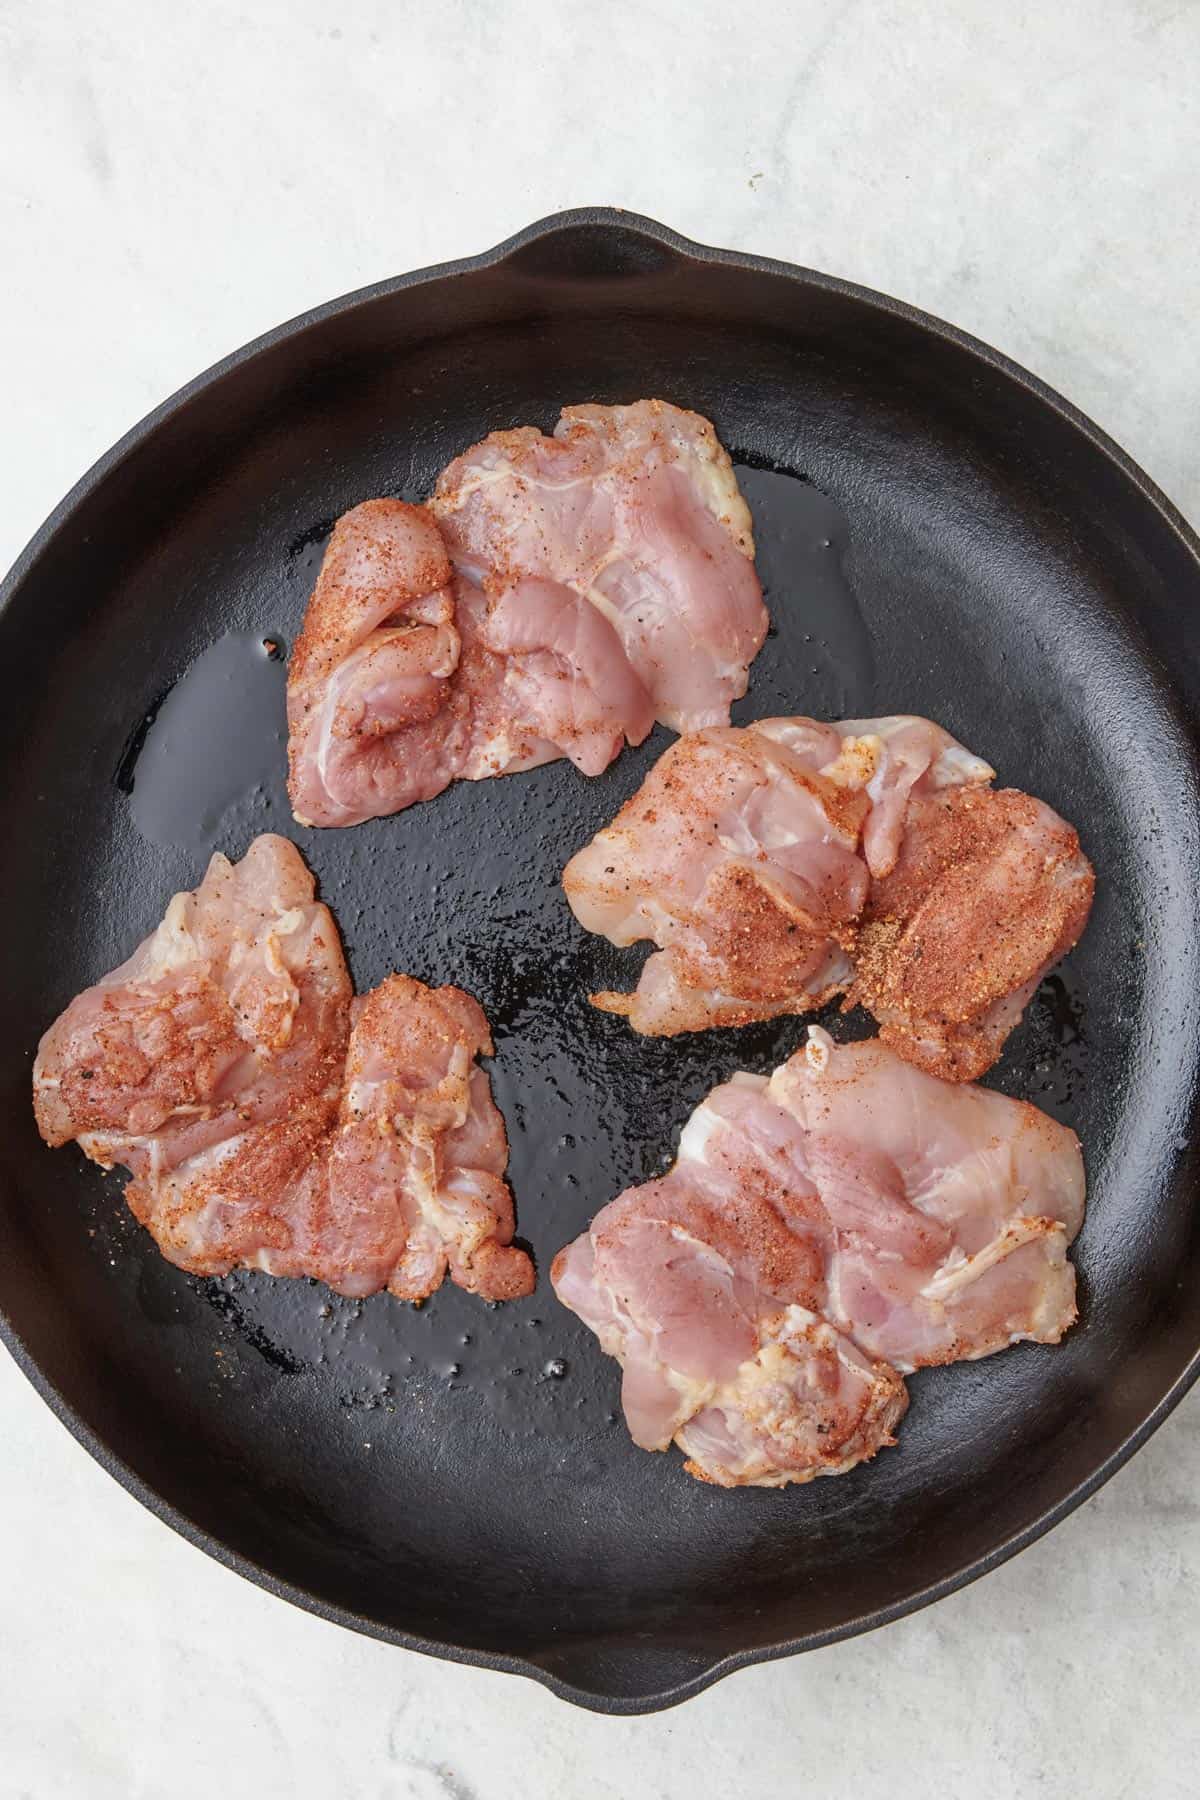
x,y
615,220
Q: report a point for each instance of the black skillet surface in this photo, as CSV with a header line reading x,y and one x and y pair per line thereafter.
x,y
457,1479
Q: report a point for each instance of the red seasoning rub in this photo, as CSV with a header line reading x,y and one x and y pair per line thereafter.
x,y
990,889
270,1120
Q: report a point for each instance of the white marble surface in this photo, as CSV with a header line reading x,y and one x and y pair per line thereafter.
x,y
174,180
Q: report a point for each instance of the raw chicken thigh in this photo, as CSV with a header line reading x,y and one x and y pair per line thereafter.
x,y
637,509
555,598
780,864
272,1121
821,1233
406,678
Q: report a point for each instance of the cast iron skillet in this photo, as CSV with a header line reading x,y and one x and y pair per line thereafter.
x,y
457,1479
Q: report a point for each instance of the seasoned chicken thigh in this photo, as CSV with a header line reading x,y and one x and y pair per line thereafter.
x,y
782,863
822,1232
271,1121
555,598
637,509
